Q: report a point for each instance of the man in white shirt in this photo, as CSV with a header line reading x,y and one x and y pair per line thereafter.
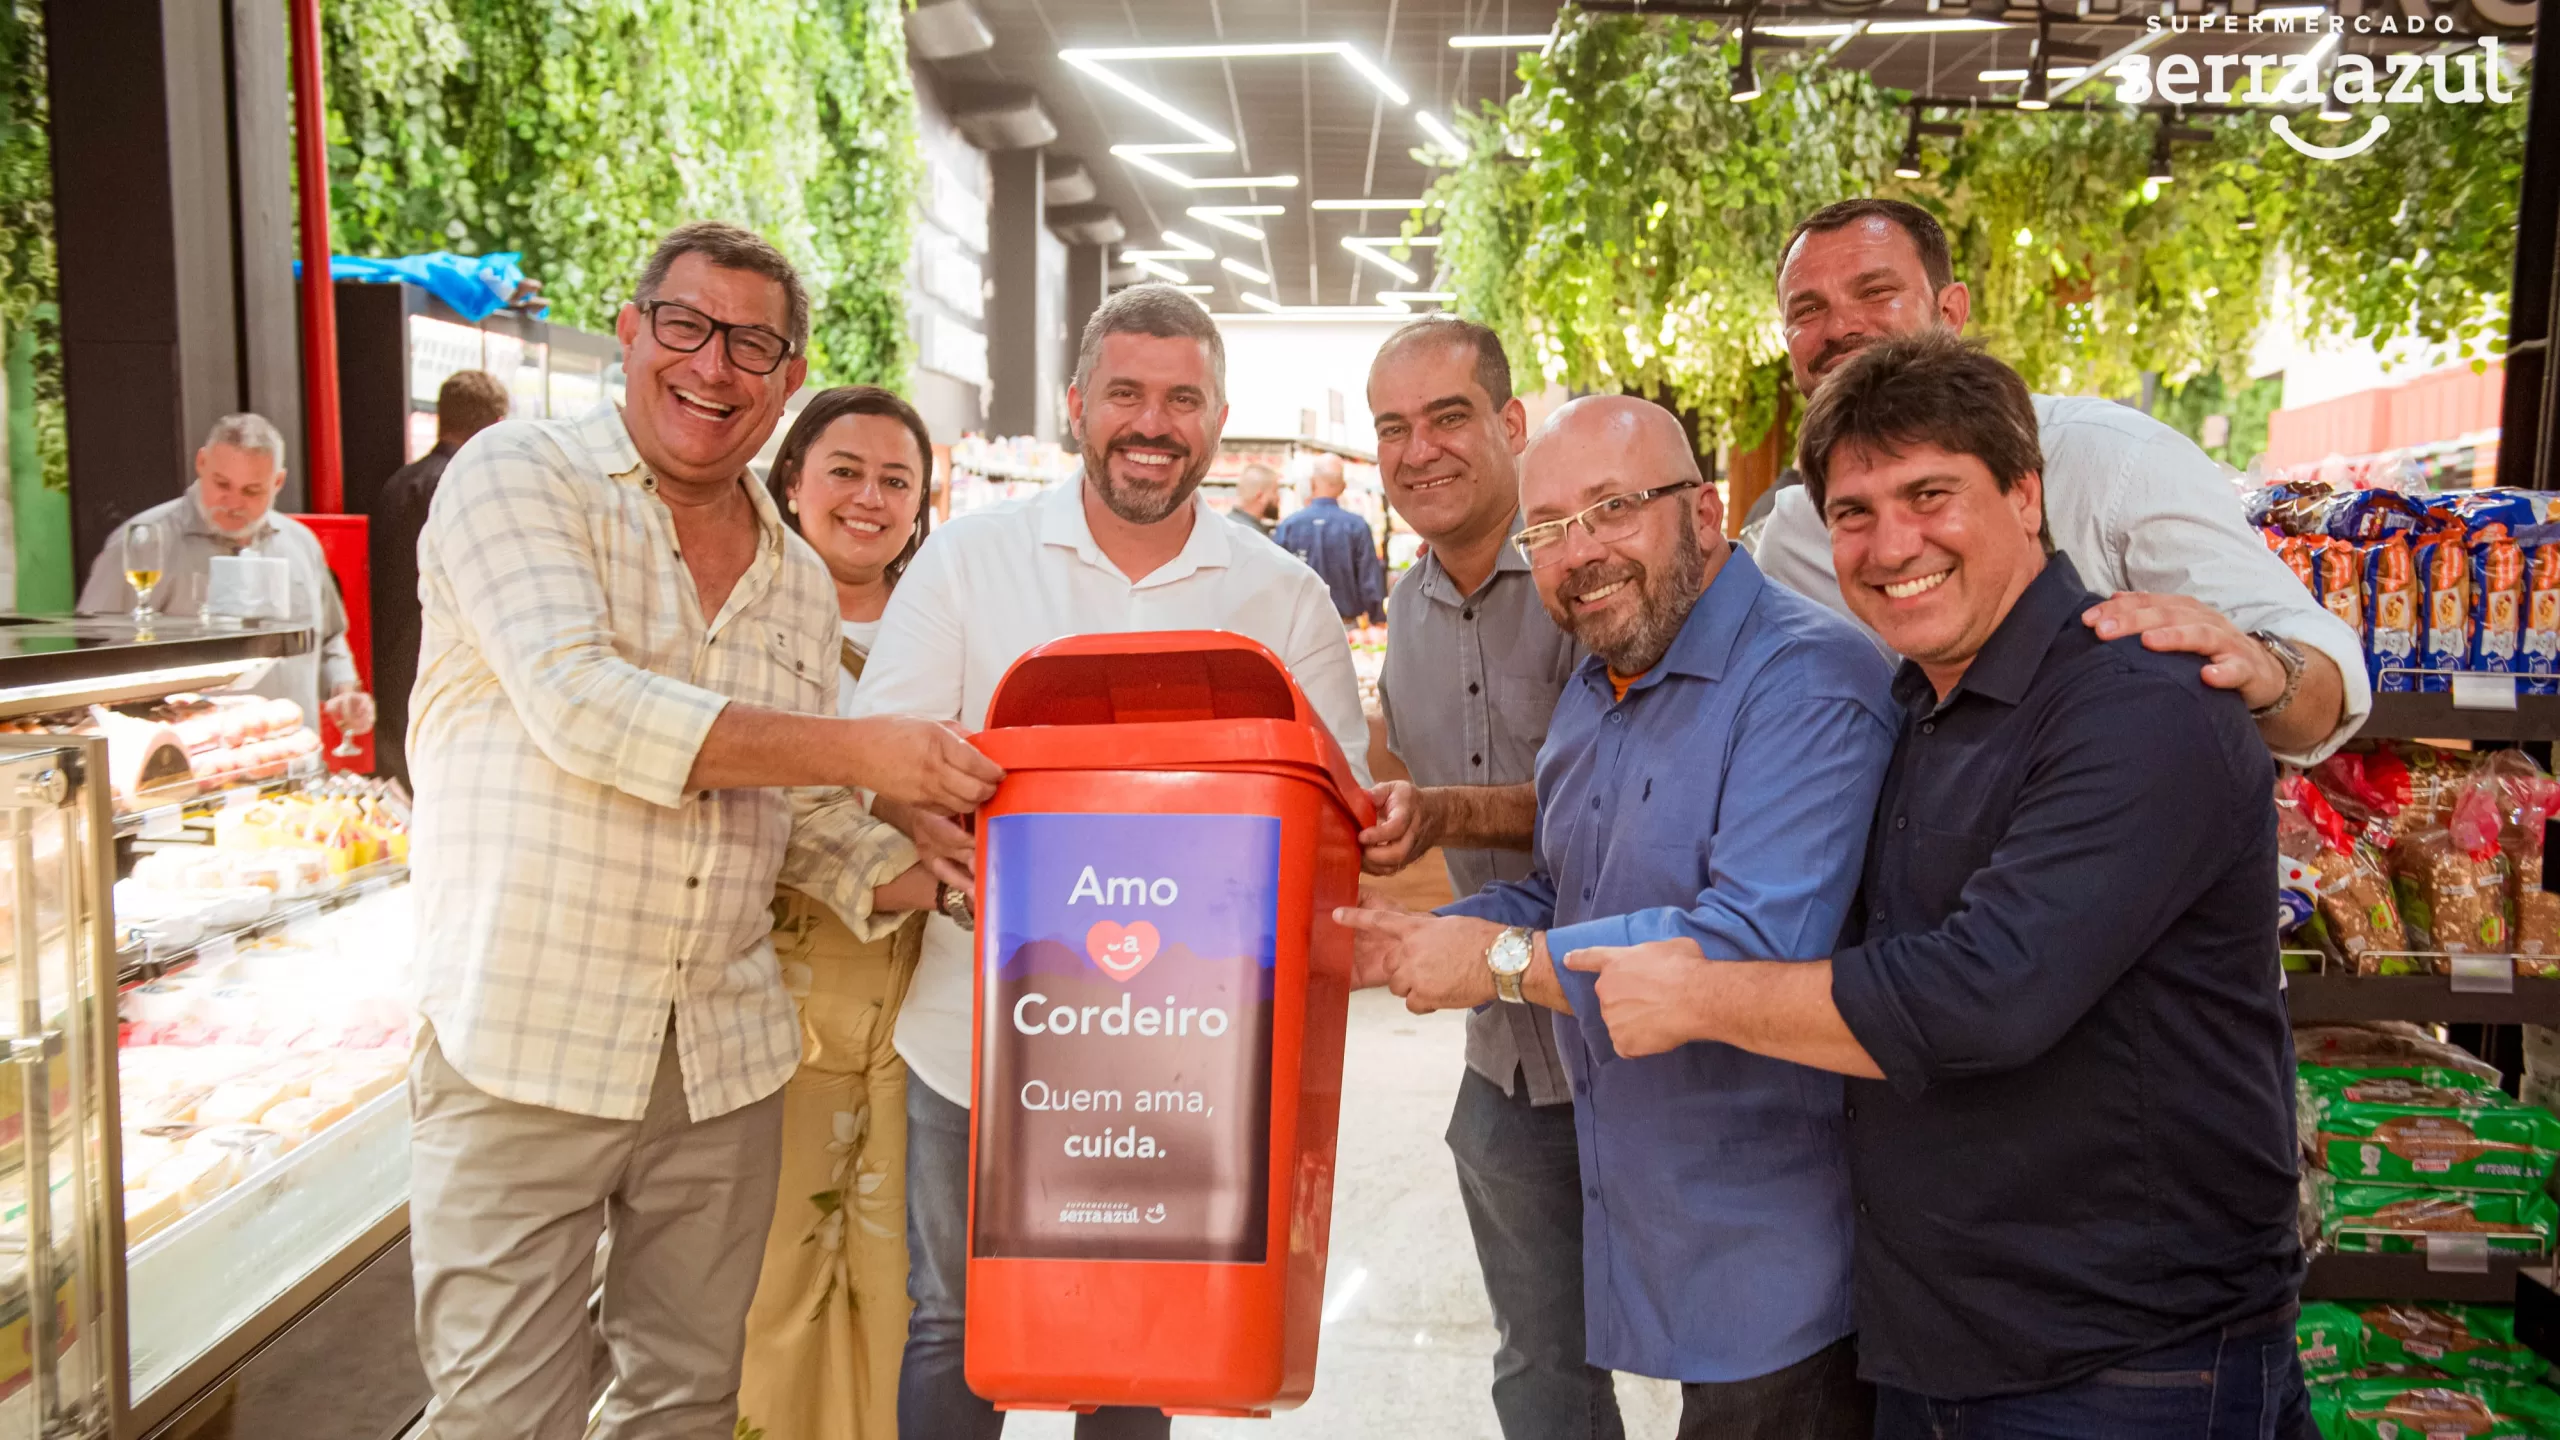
x,y
625,658
1129,547
2143,514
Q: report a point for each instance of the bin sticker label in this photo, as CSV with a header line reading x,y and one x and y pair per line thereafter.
x,y
1124,1100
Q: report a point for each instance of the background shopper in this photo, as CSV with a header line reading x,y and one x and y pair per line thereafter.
x,y
1130,547
468,402
1473,670
230,510
2135,504
1709,774
830,1313
1337,545
2061,999
1257,500
626,659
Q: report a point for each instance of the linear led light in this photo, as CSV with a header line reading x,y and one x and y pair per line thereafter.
x,y
2294,12
1447,137
2139,45
1373,248
1159,269
1091,62
1234,266
1496,42
1223,216
1368,204
1263,303
1143,156
2012,77
1401,298
1197,289
1178,246
1832,30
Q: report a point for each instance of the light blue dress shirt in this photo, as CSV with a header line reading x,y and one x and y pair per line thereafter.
x,y
1726,799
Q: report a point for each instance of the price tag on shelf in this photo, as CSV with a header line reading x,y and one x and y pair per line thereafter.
x,y
2484,975
217,950
2484,692
374,886
2458,1254
168,822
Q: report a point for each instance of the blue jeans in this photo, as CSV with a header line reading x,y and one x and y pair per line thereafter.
x,y
2242,1382
934,1399
1520,1173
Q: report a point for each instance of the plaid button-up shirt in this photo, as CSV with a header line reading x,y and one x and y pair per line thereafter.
x,y
570,889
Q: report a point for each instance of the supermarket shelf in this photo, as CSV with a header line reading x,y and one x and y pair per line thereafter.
x,y
2407,1277
2404,716
162,817
2428,999
140,965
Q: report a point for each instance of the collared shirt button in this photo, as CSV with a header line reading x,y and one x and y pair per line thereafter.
x,y
1473,687
1475,760
693,882
1852,1112
1928,727
1595,802
1592,1193
1862,1207
1901,822
1586,892
1467,614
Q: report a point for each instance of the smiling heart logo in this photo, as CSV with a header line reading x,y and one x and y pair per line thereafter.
x,y
1121,953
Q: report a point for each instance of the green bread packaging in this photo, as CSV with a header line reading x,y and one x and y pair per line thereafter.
x,y
2330,1338
2471,1342
2395,1220
2397,1131
2435,1410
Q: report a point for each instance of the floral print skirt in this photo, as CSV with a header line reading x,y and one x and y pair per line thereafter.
x,y
830,1313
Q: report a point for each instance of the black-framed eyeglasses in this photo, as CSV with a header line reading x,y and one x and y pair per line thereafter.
x,y
1611,519
752,348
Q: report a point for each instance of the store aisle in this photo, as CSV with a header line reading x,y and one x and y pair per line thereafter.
x,y
1408,1341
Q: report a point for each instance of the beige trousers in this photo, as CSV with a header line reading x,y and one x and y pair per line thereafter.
x,y
506,1204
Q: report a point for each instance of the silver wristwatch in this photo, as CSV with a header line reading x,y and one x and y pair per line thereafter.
x,y
2289,656
1508,958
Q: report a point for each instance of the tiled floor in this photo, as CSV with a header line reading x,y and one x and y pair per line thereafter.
x,y
1408,1342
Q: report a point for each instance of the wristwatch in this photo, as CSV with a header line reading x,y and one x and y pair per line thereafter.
x,y
1508,958
954,904
2289,656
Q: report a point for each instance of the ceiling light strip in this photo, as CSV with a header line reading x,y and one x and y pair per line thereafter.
x,y
1448,138
1234,266
1498,42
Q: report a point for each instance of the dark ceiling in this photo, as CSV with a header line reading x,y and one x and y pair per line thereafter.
x,y
1317,118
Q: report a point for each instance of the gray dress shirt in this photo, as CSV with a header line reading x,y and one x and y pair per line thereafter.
x,y
1469,683
307,678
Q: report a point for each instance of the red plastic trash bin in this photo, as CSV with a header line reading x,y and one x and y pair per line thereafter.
x,y
1161,995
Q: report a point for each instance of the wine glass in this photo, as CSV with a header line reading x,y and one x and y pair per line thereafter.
x,y
347,746
146,544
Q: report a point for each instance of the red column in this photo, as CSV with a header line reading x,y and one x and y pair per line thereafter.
x,y
325,462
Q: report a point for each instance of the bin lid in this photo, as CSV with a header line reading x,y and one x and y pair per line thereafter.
x,y
1163,700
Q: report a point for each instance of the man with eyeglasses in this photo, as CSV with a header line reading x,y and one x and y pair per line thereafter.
x,y
1709,771
625,661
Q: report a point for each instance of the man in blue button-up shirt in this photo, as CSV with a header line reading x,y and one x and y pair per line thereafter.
x,y
1709,773
1337,545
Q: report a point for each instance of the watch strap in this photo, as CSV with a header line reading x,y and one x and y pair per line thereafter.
x,y
2289,656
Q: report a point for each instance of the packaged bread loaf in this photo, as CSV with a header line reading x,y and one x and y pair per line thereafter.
x,y
2382,1045
2430,1136
2330,1339
2392,1409
2469,1342
2451,881
2396,1220
2358,910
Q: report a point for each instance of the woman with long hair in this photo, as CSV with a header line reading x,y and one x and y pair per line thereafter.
x,y
830,1314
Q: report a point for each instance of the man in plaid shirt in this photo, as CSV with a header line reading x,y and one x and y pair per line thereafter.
x,y
623,738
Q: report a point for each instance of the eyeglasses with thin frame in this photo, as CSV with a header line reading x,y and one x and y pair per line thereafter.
x,y
1611,519
752,348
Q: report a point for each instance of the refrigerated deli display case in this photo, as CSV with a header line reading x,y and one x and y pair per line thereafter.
x,y
205,939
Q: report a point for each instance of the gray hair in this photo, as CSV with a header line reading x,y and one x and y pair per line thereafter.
x,y
250,432
1158,310
731,247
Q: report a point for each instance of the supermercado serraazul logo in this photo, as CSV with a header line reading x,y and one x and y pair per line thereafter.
x,y
2321,75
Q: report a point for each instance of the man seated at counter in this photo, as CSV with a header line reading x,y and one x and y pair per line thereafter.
x,y
2070,1126
1707,773
230,510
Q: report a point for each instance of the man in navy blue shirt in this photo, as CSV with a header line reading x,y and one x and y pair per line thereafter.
x,y
2071,1136
1337,545
1708,773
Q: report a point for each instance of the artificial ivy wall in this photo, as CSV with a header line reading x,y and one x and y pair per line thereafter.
x,y
577,131
1619,219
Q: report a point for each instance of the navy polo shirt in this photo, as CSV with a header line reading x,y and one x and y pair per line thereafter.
x,y
2083,1146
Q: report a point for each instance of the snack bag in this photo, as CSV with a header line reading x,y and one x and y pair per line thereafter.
x,y
2525,797
2338,579
2296,553
2330,1339
2391,608
2400,1084
2431,1136
2468,1342
2395,1220
2364,516
2476,510
2394,1409
2385,1047
2541,546
2443,563
2497,603
2452,881
2357,905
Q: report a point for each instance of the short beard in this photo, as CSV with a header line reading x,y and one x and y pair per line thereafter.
x,y
1138,507
1647,638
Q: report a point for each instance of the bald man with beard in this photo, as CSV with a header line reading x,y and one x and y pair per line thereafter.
x,y
1709,771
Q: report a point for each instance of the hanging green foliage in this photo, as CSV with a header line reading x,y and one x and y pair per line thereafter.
x,y
27,279
578,131
1619,219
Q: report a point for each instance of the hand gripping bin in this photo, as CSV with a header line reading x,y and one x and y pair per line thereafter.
x,y
1161,995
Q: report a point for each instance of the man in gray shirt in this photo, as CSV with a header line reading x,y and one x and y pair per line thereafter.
x,y
230,510
1474,667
